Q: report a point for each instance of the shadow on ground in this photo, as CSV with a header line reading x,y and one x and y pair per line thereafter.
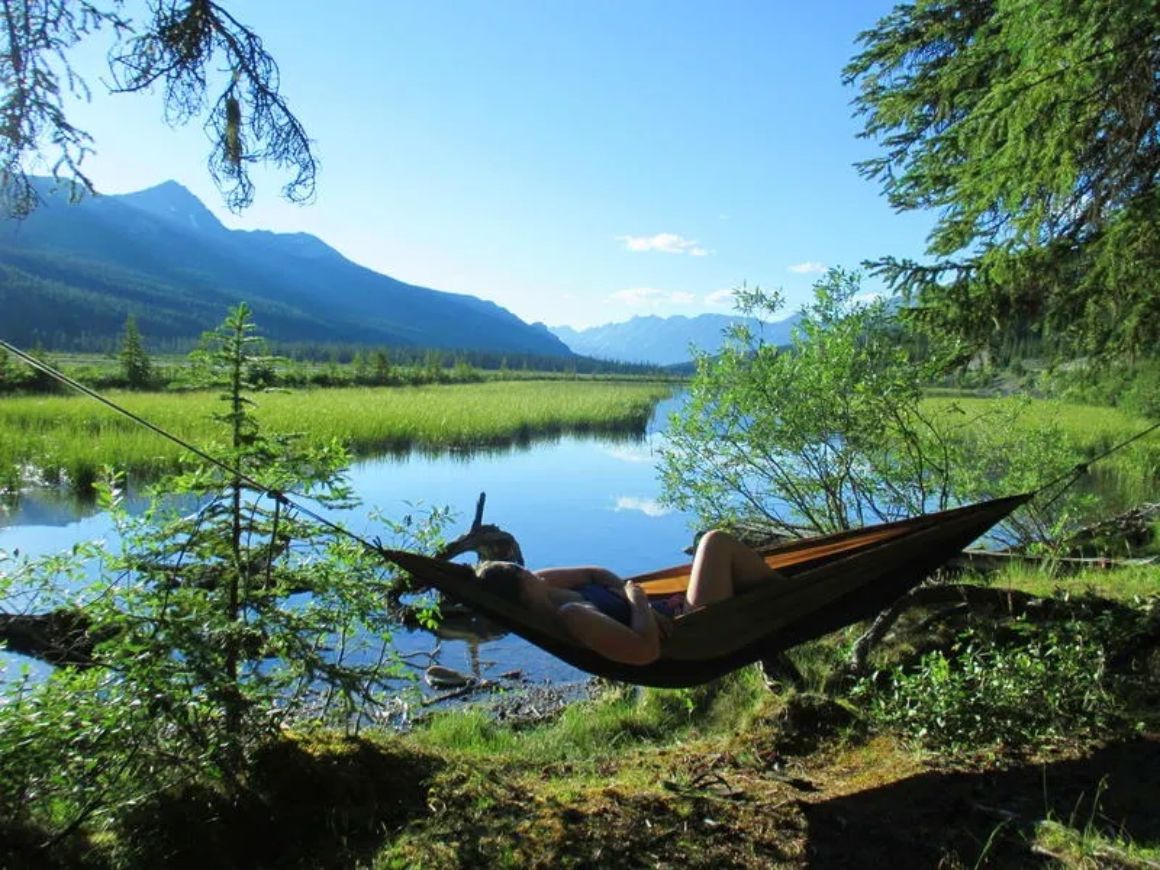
x,y
330,806
938,817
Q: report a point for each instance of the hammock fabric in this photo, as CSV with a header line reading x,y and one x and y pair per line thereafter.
x,y
828,582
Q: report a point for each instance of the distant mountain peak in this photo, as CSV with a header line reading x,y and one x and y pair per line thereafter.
x,y
665,340
176,205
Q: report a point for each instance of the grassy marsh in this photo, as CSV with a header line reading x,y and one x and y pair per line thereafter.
x,y
69,438
1091,429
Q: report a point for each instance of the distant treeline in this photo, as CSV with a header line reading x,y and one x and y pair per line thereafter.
x,y
314,366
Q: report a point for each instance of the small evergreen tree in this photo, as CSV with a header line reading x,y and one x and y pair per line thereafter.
x,y
136,366
7,372
433,366
223,616
360,366
382,367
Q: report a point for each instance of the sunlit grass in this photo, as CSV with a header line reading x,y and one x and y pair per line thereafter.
x,y
71,437
1092,426
606,726
1119,584
585,730
1090,847
1091,429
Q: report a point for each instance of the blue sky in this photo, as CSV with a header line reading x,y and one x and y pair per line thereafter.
x,y
577,163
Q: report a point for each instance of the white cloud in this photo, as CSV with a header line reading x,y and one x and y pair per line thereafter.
x,y
668,243
652,297
722,298
808,268
650,507
640,455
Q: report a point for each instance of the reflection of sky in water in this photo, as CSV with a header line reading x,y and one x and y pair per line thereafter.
x,y
560,500
569,501
650,507
631,453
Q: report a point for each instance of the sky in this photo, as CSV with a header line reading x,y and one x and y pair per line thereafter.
x,y
578,163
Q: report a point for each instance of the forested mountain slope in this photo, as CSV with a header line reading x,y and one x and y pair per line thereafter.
x,y
71,273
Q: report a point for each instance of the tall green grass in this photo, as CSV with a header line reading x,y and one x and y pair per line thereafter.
x,y
1135,469
618,718
585,730
69,438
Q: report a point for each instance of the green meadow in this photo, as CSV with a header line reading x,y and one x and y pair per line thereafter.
x,y
1091,429
70,438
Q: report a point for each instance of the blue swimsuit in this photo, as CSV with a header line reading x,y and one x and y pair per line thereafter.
x,y
615,605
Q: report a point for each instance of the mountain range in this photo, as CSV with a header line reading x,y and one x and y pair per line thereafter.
x,y
665,341
71,273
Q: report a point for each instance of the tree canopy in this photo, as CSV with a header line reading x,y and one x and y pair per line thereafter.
x,y
1033,128
208,64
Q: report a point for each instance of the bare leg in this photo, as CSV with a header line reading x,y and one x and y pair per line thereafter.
x,y
723,567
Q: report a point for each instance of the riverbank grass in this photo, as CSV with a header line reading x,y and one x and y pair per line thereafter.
x,y
1091,430
68,439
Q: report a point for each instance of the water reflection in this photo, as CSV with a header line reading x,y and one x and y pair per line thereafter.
x,y
647,506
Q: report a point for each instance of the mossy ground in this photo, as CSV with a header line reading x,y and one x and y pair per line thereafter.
x,y
705,802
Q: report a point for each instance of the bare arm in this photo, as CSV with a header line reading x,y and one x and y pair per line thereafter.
x,y
574,578
635,645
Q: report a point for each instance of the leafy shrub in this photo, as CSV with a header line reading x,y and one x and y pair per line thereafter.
x,y
828,433
833,432
984,692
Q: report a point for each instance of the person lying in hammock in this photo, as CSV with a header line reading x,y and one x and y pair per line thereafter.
x,y
615,618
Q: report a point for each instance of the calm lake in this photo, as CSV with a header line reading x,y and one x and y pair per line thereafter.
x,y
568,500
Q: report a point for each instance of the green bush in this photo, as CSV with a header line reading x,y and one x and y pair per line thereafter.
x,y
834,432
1050,684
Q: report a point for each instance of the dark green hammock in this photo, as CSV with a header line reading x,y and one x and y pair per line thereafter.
x,y
828,582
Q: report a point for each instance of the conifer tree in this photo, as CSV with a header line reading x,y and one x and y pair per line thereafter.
x,y
208,64
382,366
135,363
1032,130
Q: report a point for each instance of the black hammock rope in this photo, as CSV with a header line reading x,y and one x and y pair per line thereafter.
x,y
284,497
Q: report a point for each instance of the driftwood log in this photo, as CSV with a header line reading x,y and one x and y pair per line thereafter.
x,y
1133,528
59,637
490,543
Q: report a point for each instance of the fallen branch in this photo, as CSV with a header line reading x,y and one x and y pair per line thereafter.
x,y
489,542
59,637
